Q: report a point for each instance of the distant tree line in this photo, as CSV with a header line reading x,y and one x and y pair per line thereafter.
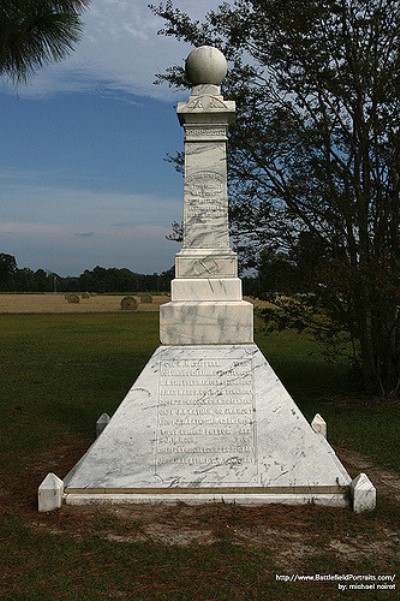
x,y
278,272
100,279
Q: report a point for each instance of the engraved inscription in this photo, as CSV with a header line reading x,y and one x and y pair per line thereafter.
x,y
205,133
205,414
206,211
205,196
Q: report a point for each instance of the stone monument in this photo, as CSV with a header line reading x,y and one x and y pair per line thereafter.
x,y
207,419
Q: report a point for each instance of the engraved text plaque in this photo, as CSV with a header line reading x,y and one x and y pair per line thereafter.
x,y
205,418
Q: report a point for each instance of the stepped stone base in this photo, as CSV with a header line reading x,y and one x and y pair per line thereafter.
x,y
206,263
206,322
220,289
203,424
114,498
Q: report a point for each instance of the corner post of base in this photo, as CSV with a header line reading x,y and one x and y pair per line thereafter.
x,y
50,493
363,494
319,426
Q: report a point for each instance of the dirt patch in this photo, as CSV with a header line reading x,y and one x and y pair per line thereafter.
x,y
361,546
387,482
294,535
56,303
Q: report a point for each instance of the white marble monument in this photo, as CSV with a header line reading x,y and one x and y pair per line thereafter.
x,y
207,419
207,305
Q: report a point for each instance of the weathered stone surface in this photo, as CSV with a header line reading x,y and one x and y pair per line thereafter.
x,y
207,322
115,498
363,493
211,420
208,419
101,423
206,302
206,65
319,426
206,198
195,263
207,289
50,493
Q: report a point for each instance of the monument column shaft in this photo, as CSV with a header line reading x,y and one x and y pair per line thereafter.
x,y
206,305
205,119
205,196
206,252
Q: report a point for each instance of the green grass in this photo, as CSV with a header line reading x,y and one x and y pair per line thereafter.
x,y
60,372
328,388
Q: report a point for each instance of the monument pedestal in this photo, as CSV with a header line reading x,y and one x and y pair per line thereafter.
x,y
208,423
206,322
206,305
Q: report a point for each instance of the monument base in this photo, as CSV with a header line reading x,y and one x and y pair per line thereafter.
x,y
206,323
206,424
333,500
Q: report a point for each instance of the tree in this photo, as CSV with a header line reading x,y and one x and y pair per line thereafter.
x,y
276,273
36,32
41,281
316,152
8,267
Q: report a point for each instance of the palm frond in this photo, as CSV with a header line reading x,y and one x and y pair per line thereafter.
x,y
34,33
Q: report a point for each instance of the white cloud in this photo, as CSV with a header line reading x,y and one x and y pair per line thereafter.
x,y
121,49
61,249
84,208
69,230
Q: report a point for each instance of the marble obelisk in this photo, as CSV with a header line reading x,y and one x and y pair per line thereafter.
x,y
207,305
208,419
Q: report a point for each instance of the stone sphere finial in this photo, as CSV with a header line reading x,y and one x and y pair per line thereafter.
x,y
206,65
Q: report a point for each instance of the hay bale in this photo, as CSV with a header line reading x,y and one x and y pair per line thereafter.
x,y
128,303
93,293
85,295
73,298
146,298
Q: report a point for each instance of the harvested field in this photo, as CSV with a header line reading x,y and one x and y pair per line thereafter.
x,y
56,303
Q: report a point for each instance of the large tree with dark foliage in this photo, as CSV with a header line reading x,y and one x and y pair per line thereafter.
x,y
36,32
315,158
8,267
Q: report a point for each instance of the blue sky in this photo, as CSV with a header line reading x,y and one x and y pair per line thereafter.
x,y
83,176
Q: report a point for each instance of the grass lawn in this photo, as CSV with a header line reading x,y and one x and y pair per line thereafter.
x,y
60,372
353,421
